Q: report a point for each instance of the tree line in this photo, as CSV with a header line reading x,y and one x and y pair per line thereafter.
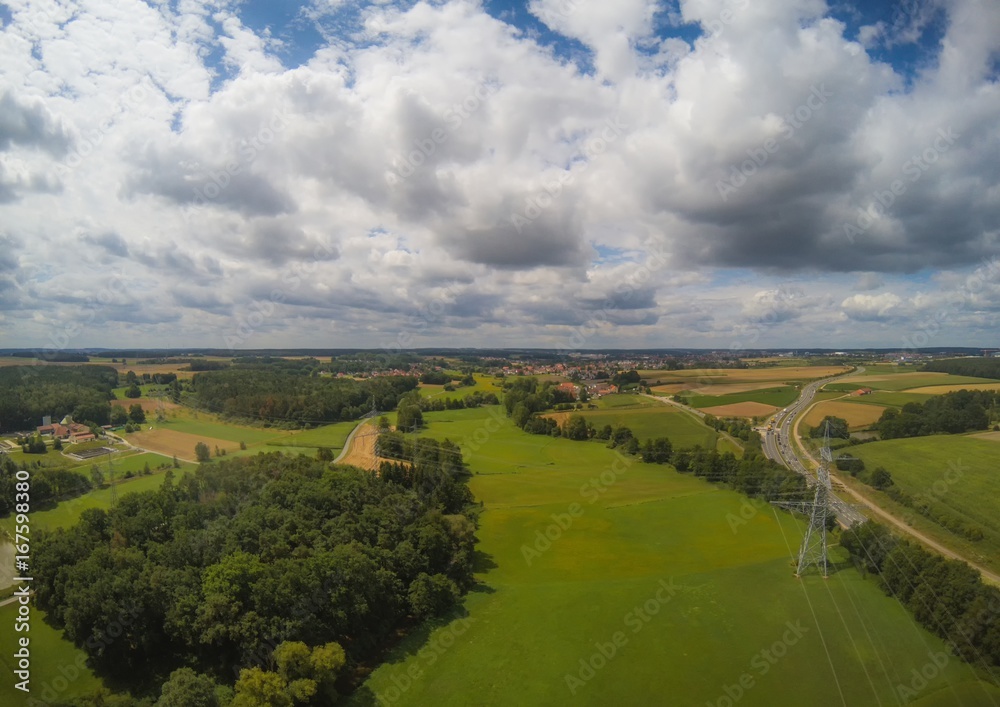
x,y
974,367
275,395
951,413
216,572
947,597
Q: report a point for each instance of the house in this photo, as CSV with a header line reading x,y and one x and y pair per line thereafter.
x,y
862,391
569,389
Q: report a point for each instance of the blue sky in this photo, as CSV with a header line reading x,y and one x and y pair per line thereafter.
x,y
675,173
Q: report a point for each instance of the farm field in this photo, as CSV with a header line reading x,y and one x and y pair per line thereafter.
x,y
649,422
956,472
58,669
330,436
911,381
889,399
747,409
942,389
180,444
779,397
858,416
709,376
656,543
624,400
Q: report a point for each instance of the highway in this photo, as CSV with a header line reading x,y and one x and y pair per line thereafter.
x,y
778,445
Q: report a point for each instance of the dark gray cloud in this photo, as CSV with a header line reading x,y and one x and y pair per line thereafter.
x,y
30,125
111,243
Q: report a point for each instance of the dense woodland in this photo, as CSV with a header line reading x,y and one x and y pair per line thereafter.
x,y
945,596
952,413
975,367
31,392
217,572
277,394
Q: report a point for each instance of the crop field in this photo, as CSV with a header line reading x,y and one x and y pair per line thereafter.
x,y
942,389
658,420
709,376
858,416
606,581
957,472
779,397
207,425
889,399
912,381
747,409
170,442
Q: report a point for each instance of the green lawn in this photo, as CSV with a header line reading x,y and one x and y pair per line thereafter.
x,y
957,472
58,669
731,608
208,426
658,420
332,436
780,397
621,400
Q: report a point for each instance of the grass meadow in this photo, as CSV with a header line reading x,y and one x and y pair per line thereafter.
x,y
607,581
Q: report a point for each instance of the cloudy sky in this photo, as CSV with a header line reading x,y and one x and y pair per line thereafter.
x,y
563,173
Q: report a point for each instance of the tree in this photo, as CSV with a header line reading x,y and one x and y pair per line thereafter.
x,y
259,688
57,444
202,453
576,428
134,391
119,416
177,464
881,478
431,595
383,422
838,428
187,688
324,454
409,418
136,414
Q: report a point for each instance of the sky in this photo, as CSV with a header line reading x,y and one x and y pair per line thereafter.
x,y
569,174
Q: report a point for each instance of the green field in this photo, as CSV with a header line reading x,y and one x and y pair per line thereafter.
x,y
891,399
653,565
905,383
331,436
484,384
957,472
657,420
208,426
779,397
58,668
623,400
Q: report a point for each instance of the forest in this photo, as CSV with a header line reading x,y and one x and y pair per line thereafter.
x,y
951,413
975,367
228,571
31,392
278,394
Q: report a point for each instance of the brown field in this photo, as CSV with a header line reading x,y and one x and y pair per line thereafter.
x,y
181,444
148,404
748,375
362,451
894,377
858,415
942,389
727,388
991,436
669,389
747,409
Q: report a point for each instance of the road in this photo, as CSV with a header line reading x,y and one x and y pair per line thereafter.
x,y
350,438
778,441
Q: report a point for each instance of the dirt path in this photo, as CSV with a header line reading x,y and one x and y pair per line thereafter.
x,y
988,576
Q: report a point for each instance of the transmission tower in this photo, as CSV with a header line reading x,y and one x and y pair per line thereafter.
x,y
813,548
